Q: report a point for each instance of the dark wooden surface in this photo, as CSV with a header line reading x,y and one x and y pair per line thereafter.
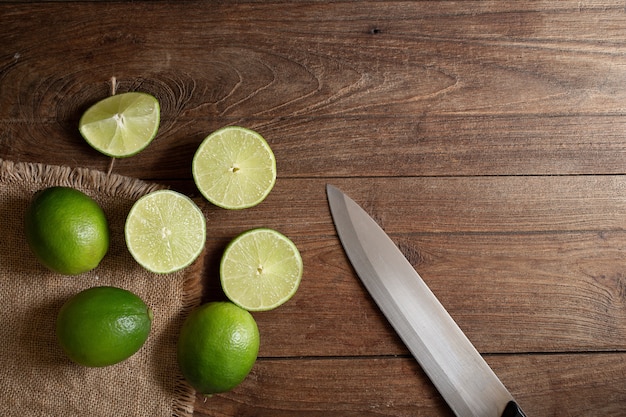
x,y
488,138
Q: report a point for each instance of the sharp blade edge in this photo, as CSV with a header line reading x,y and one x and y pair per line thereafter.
x,y
455,367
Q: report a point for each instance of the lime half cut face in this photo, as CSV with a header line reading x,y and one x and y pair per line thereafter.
x,y
165,231
260,269
234,168
121,125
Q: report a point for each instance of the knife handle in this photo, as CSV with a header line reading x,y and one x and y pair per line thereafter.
x,y
513,410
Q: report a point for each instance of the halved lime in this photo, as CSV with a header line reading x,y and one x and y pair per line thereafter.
x,y
121,125
234,168
260,269
165,231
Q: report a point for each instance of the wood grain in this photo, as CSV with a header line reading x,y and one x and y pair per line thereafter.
x,y
567,294
360,146
555,385
527,91
446,205
486,137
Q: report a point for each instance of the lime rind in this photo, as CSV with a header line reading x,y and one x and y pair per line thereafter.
x,y
165,231
261,269
121,125
217,347
67,230
234,168
86,326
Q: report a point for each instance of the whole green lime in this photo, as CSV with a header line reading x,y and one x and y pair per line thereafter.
x,y
66,230
102,326
217,347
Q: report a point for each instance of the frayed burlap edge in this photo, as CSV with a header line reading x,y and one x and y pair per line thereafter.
x,y
132,188
109,184
185,397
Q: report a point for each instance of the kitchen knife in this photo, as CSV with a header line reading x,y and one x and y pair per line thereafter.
x,y
455,367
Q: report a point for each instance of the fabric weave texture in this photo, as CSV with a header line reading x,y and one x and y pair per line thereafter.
x,y
36,378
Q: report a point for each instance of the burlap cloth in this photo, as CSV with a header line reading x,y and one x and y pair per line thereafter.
x,y
36,378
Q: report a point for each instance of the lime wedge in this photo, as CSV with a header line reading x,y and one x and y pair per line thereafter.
x,y
121,125
260,269
165,231
234,168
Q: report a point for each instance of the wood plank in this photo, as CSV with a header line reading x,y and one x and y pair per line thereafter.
x,y
545,385
321,387
566,293
448,205
356,146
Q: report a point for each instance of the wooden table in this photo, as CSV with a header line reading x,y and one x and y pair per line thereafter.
x,y
488,138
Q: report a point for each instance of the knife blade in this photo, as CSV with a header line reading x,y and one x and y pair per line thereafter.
x,y
456,368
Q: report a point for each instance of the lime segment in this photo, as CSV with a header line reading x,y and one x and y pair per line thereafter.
x,y
165,231
260,269
234,168
121,125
